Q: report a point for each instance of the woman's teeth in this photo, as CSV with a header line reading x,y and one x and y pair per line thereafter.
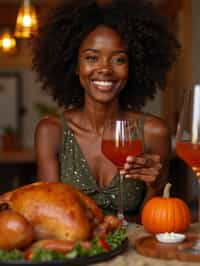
x,y
103,83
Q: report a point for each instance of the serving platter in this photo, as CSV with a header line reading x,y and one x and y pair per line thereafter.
x,y
80,261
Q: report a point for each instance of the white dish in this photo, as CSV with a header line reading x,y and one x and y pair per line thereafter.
x,y
170,237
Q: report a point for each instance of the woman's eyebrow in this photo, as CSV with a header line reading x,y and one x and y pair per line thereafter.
x,y
97,51
120,52
90,50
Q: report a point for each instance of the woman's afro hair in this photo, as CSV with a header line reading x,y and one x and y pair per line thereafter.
x,y
152,48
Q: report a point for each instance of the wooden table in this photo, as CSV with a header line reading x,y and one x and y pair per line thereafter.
x,y
132,258
17,167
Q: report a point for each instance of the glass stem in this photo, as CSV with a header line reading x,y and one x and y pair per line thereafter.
x,y
120,213
198,180
196,246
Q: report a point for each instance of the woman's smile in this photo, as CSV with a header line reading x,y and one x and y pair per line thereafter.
x,y
104,85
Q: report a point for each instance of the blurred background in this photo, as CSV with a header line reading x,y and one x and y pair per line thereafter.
x,y
22,103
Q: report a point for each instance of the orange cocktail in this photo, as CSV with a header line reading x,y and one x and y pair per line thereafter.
x,y
117,151
190,153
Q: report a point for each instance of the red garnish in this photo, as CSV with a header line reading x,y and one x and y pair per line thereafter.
x,y
28,255
103,244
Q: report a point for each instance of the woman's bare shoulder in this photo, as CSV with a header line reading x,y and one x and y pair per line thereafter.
x,y
49,126
152,124
156,126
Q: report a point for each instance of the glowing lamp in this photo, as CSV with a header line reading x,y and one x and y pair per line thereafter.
x,y
7,42
27,22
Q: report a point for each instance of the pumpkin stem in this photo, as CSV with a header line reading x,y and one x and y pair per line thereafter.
x,y
166,192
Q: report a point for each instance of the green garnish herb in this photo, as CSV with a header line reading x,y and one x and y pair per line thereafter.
x,y
39,254
77,251
113,241
11,255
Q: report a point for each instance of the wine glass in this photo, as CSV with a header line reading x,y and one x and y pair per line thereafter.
x,y
188,138
120,139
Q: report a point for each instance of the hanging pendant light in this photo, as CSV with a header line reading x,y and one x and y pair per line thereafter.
x,y
7,42
27,22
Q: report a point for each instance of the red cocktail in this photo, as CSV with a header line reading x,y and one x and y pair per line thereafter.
x,y
118,151
190,153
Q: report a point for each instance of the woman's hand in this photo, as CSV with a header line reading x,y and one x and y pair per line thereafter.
x,y
145,168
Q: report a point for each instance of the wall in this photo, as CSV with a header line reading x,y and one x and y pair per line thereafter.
x,y
31,95
155,106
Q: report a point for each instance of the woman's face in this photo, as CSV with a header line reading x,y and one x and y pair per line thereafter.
x,y
103,64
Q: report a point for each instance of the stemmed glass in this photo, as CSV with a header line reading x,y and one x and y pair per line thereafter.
x,y
188,138
120,139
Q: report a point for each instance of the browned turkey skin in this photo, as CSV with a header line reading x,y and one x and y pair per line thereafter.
x,y
56,212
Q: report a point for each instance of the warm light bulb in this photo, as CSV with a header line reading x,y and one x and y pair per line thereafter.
x,y
27,21
6,43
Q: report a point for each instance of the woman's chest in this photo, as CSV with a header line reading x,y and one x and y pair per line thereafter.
x,y
100,167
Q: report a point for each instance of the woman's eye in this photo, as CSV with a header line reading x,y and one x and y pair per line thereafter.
x,y
119,60
91,58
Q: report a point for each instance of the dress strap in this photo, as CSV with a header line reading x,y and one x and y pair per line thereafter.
x,y
64,121
142,122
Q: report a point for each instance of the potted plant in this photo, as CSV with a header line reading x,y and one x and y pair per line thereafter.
x,y
10,138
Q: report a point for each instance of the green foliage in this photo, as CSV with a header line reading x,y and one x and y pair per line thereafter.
x,y
44,109
46,255
116,239
8,130
12,255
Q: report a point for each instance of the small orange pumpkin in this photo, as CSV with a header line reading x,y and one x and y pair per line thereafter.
x,y
165,214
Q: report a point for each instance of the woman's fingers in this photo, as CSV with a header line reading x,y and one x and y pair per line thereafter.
x,y
143,171
147,160
145,168
146,178
128,166
153,157
138,160
146,174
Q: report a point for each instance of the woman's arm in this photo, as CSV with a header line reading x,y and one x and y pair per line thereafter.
x,y
47,141
158,141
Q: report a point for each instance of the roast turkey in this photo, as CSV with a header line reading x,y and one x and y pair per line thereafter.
x,y
15,231
55,210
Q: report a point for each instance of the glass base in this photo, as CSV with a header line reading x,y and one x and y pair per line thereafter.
x,y
125,223
196,247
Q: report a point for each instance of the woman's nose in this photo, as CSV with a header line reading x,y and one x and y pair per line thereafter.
x,y
105,67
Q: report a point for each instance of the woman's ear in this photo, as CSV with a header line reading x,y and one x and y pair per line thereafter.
x,y
77,67
77,70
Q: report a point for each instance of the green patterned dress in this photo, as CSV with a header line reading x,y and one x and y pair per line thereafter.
x,y
75,171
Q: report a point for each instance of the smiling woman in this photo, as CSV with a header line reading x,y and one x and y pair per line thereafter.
x,y
106,62
103,64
